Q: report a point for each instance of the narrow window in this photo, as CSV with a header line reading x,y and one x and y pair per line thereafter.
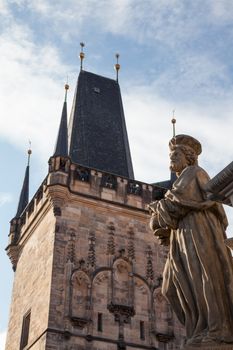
x,y
142,330
25,330
100,322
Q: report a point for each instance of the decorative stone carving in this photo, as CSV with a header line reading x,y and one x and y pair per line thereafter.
x,y
111,242
57,211
122,289
131,251
91,260
13,253
121,311
101,277
134,187
109,181
71,256
82,174
163,327
80,298
149,264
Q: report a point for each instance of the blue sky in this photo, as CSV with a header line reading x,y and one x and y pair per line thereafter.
x,y
174,54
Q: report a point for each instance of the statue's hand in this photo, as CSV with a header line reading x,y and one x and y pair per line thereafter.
x,y
162,232
165,241
163,236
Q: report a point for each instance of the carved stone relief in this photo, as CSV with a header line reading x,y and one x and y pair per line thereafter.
x,y
122,288
80,298
163,316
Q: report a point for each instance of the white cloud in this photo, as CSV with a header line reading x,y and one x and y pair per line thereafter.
x,y
149,126
31,85
31,90
171,22
3,8
222,10
2,340
5,198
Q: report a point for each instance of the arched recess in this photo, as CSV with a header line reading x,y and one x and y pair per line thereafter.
x,y
122,283
100,297
163,326
80,298
142,305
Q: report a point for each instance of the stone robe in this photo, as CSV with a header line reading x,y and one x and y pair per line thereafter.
x,y
198,275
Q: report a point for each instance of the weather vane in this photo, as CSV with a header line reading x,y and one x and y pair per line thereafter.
x,y
117,65
81,55
173,123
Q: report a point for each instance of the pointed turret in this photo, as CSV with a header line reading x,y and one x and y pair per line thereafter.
x,y
97,131
24,195
61,148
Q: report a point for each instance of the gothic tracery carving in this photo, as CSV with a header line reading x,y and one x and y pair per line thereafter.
x,y
91,259
111,241
131,251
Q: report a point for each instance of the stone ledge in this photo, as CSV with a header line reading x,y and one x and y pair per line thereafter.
x,y
209,347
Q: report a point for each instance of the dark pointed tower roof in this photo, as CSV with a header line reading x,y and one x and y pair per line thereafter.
x,y
24,194
61,147
97,131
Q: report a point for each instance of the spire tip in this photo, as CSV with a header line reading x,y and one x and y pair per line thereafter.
x,y
81,55
117,66
29,151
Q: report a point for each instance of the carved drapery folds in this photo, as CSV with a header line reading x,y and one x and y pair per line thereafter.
x,y
80,298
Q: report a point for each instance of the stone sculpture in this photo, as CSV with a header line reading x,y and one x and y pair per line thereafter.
x,y
198,275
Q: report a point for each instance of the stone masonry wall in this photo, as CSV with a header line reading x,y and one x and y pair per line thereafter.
x,y
32,283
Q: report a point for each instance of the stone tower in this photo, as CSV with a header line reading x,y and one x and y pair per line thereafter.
x,y
87,269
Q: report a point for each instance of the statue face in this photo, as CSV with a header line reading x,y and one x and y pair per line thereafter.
x,y
178,161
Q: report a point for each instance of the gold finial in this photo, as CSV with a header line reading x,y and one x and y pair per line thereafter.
x,y
66,88
174,123
29,151
117,66
82,55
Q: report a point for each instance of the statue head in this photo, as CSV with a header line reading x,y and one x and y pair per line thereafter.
x,y
185,150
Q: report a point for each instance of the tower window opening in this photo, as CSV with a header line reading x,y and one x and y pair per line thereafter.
x,y
142,330
100,322
96,89
25,330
